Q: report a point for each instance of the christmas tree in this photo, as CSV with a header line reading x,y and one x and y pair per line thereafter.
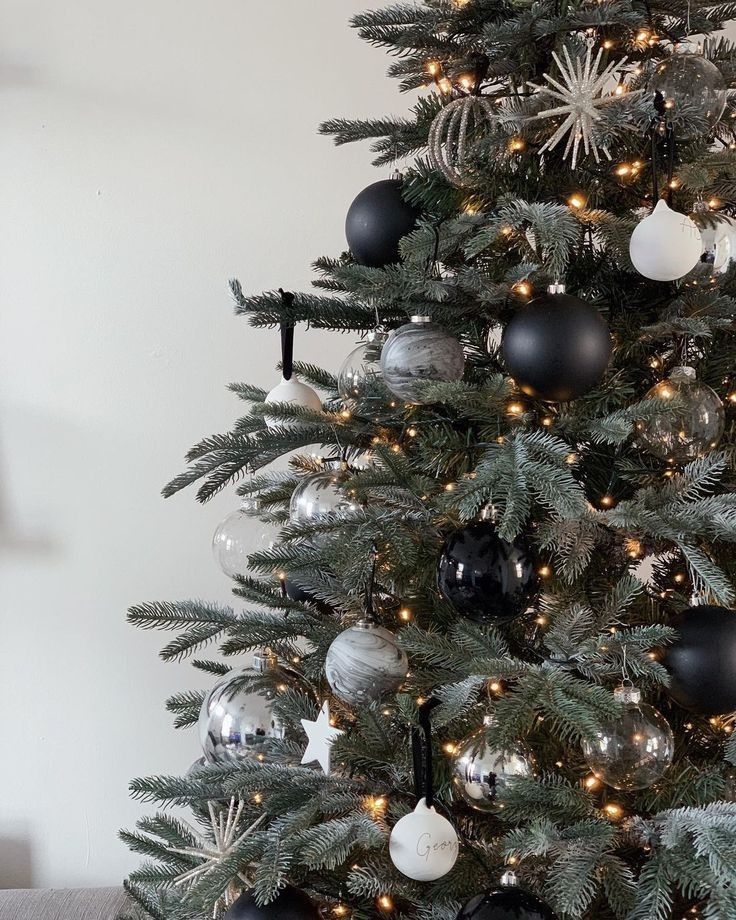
x,y
493,655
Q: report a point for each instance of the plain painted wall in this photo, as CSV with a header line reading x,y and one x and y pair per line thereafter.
x,y
149,151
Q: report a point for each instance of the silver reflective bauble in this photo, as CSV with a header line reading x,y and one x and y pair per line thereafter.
x,y
688,431
365,662
239,534
359,377
418,353
319,495
690,82
633,751
717,237
480,770
235,724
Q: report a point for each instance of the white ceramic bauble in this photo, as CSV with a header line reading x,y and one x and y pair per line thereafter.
x,y
423,845
666,245
295,392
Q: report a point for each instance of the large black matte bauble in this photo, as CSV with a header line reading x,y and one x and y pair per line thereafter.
x,y
506,903
702,660
376,221
556,347
484,577
291,904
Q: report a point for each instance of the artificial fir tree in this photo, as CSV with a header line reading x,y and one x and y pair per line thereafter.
x,y
510,513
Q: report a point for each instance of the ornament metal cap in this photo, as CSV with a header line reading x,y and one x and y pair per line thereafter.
x,y
683,371
489,720
557,288
509,879
627,693
421,319
264,659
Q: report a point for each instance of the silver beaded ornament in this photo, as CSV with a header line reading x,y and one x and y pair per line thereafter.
x,y
451,135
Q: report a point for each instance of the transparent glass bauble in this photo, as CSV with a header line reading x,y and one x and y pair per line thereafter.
x,y
238,535
689,431
359,377
480,770
689,83
319,495
635,750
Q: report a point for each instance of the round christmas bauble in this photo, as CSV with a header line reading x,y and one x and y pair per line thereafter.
x,y
364,663
484,577
666,245
290,904
480,770
702,660
234,724
452,133
507,902
634,750
376,221
359,377
718,244
237,535
294,392
318,495
690,84
423,845
689,431
418,353
556,347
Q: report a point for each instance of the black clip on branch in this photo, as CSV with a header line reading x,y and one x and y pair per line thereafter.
x,y
423,783
287,336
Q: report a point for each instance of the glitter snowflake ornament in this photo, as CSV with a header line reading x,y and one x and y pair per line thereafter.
x,y
581,94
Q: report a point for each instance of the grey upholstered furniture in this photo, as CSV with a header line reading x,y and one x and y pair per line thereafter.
x,y
61,903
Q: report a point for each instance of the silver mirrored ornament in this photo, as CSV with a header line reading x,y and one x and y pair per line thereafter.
x,y
234,723
320,494
635,750
689,83
691,429
452,134
239,534
480,770
359,377
365,662
717,235
418,353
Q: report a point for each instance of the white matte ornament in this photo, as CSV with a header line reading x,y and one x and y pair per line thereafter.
x,y
296,393
423,845
321,736
666,245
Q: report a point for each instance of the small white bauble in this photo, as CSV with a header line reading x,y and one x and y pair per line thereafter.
x,y
295,392
666,245
423,845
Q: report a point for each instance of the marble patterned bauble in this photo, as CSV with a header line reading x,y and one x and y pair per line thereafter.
x,y
666,245
294,392
418,353
365,662
423,845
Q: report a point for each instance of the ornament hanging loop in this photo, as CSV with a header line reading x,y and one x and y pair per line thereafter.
x,y
287,336
423,780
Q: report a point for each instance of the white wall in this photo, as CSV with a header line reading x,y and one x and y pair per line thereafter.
x,y
149,151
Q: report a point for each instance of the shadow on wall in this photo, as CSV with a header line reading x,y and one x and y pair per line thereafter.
x,y
16,862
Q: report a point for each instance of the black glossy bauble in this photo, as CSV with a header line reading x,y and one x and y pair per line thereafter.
x,y
556,347
506,903
376,221
702,660
484,577
290,904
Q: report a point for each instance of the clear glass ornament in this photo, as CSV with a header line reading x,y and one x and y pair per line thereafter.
x,y
689,83
319,495
690,431
480,769
634,751
238,535
359,376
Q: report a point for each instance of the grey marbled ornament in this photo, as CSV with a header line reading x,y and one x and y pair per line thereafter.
x,y
418,353
364,662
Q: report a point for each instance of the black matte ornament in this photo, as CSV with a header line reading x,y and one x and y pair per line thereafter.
x,y
376,221
484,577
506,903
290,904
556,347
702,660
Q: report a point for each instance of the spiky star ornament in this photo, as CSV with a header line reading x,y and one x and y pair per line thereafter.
x,y
581,93
226,839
